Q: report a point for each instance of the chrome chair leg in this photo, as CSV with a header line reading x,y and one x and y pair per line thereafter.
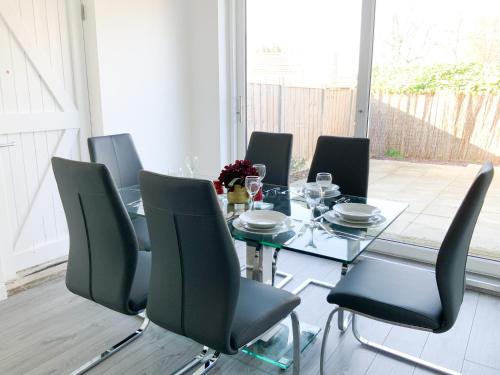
x,y
204,360
398,354
325,339
109,352
296,342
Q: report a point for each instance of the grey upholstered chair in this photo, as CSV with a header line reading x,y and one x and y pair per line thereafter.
x,y
347,159
104,263
412,297
118,153
196,289
275,151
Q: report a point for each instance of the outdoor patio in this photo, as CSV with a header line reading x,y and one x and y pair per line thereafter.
x,y
434,192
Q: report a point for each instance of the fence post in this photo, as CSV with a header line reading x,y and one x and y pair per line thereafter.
x,y
281,112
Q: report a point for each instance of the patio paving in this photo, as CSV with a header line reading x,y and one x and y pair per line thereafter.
x,y
434,192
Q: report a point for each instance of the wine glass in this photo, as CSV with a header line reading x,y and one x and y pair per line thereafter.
x,y
192,164
252,184
313,194
261,170
324,181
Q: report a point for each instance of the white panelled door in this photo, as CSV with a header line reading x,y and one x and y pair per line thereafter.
x,y
43,112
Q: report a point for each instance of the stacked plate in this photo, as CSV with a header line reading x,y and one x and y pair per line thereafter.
x,y
332,191
262,221
357,215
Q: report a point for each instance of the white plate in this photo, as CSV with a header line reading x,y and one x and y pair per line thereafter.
x,y
262,219
333,218
332,193
238,224
331,188
356,211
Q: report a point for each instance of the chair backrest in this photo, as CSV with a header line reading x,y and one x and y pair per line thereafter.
x,y
275,151
452,257
118,153
103,246
195,272
347,159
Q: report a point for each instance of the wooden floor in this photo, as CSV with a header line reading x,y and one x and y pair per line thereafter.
x,y
47,330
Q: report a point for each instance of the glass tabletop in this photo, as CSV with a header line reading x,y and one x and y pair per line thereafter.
x,y
332,241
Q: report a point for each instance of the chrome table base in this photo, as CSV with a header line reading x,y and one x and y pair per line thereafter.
x,y
384,349
109,352
261,266
344,317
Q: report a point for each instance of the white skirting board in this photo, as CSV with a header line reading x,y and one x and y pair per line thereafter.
x,y
41,254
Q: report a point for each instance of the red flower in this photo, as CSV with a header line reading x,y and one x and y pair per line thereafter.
x,y
234,174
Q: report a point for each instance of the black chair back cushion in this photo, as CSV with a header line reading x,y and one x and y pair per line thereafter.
x,y
275,151
118,153
103,247
452,257
195,273
347,159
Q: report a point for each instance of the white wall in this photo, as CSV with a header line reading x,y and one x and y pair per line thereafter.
x,y
158,71
143,83
209,94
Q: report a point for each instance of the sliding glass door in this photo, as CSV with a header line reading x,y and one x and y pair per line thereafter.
x,y
302,67
434,114
420,79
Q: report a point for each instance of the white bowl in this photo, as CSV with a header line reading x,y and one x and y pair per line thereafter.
x,y
262,219
356,211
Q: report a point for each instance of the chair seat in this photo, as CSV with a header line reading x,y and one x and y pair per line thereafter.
x,y
259,308
391,292
141,231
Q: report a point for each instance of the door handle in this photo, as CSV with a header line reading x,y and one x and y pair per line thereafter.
x,y
9,144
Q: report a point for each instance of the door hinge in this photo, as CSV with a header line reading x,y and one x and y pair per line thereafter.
x,y
82,8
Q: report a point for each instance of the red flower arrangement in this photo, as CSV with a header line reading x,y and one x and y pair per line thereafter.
x,y
234,174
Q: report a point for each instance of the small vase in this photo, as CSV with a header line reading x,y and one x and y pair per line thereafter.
x,y
239,195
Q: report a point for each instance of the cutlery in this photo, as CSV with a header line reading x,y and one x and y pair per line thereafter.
x,y
135,203
320,216
340,234
272,189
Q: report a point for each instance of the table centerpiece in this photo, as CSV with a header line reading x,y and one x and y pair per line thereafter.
x,y
232,177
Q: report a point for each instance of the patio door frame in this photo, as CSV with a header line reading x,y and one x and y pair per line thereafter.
x,y
238,13
237,9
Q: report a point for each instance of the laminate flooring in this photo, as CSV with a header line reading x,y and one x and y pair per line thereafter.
x,y
48,330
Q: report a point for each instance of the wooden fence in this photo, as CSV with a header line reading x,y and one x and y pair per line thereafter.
x,y
439,127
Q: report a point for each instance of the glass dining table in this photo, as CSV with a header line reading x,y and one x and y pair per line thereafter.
x,y
336,241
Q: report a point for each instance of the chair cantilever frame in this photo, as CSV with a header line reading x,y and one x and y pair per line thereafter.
x,y
185,222
414,298
105,264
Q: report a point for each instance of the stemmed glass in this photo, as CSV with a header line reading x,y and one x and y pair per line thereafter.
x,y
313,195
261,170
252,184
324,181
192,164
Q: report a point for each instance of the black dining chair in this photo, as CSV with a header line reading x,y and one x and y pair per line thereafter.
x,y
408,296
275,151
118,153
196,289
104,262
347,159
